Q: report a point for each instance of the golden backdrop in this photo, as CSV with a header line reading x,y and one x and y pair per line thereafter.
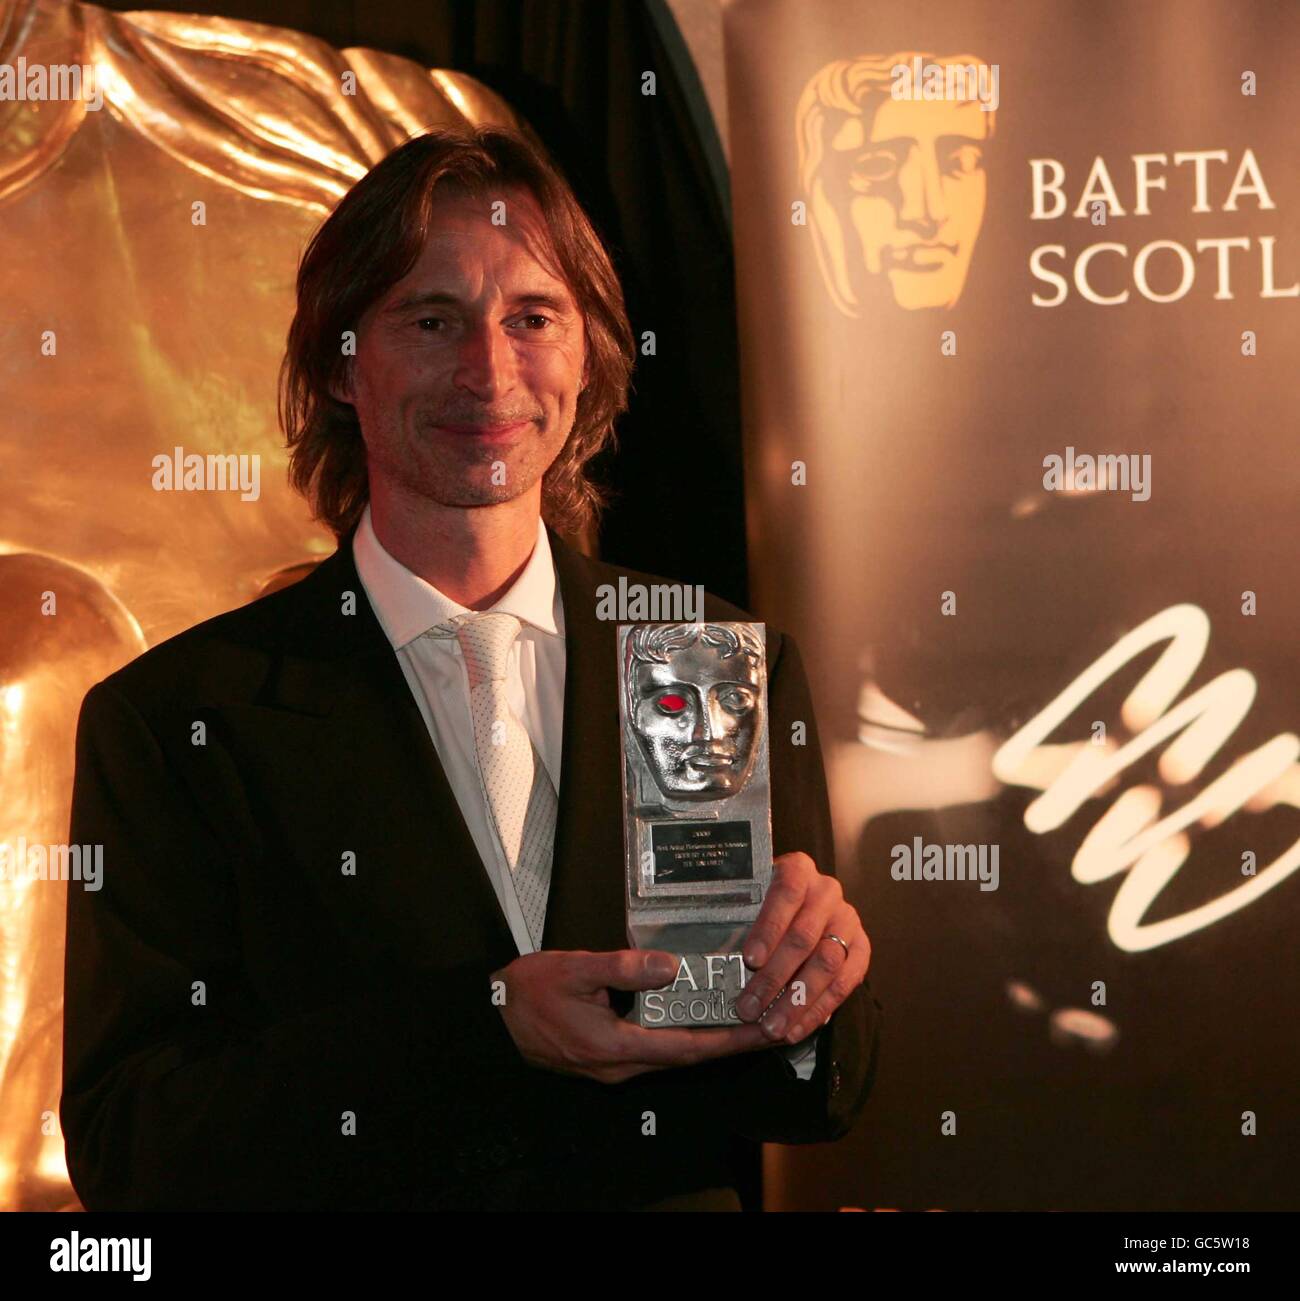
x,y
151,222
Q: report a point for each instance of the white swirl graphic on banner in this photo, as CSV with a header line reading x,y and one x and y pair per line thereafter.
x,y
1122,838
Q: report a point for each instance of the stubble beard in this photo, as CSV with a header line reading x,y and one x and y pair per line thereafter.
x,y
462,476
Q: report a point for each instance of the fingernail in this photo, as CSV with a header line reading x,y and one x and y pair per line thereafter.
x,y
661,968
756,956
796,1033
747,1005
775,1026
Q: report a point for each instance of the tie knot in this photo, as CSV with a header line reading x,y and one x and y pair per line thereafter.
x,y
485,640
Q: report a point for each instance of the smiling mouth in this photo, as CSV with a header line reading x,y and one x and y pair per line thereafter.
x,y
484,431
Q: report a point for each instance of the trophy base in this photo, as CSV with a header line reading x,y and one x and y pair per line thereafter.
x,y
704,993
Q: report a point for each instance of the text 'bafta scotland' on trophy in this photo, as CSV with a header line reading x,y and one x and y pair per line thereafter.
x,y
697,808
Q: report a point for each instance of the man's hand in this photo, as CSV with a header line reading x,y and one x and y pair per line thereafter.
x,y
788,947
558,1012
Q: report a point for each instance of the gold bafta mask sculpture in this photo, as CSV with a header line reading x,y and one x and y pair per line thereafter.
x,y
895,186
152,217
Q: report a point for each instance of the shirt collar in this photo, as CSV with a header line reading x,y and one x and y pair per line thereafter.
x,y
407,606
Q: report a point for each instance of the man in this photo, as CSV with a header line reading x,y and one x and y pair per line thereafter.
x,y
360,941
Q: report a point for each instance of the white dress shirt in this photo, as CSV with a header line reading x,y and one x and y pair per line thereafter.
x,y
407,606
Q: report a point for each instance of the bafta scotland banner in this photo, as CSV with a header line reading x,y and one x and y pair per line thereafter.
x,y
1019,290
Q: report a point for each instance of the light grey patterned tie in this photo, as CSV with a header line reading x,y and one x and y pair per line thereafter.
x,y
519,792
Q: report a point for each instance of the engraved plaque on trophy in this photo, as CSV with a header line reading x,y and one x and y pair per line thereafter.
x,y
697,808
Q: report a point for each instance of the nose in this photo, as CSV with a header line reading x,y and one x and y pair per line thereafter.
x,y
485,365
710,722
922,189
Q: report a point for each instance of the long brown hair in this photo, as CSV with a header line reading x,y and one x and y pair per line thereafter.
x,y
369,242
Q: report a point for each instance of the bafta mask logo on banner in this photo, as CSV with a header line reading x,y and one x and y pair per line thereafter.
x,y
894,176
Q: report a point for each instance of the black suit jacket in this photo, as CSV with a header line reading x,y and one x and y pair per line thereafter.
x,y
247,1025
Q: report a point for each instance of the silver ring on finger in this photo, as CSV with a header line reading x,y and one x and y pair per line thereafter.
x,y
842,943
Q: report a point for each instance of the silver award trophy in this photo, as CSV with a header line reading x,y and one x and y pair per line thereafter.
x,y
697,808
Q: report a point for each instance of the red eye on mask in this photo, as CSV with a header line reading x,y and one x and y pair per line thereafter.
x,y
671,704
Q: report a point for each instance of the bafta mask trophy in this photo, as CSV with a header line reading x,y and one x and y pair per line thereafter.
x,y
697,810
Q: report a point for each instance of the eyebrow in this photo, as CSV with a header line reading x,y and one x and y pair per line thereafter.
x,y
895,141
440,298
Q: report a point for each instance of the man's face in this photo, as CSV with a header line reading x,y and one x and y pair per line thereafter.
x,y
915,193
468,370
696,719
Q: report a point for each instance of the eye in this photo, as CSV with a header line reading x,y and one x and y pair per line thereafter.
x,y
874,167
964,160
671,703
423,319
537,316
736,700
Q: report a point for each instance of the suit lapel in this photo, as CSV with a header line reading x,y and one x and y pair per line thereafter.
x,y
585,908
341,668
